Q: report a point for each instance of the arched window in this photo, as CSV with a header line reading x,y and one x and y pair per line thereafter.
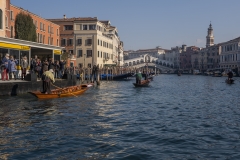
x,y
1,21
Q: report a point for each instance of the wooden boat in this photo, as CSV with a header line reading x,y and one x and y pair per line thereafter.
x,y
229,81
64,92
179,74
144,83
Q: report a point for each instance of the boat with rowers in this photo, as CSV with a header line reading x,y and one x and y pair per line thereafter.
x,y
62,92
144,83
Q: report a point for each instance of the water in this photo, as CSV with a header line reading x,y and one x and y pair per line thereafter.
x,y
177,117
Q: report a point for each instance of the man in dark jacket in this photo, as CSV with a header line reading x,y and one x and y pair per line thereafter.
x,y
62,67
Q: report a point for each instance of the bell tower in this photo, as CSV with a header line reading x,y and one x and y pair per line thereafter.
x,y
209,37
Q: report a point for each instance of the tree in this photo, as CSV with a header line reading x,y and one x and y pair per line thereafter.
x,y
65,56
24,27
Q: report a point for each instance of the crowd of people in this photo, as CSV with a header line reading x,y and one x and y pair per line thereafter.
x,y
39,67
10,67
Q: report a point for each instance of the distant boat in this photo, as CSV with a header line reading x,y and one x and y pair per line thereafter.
x,y
144,83
229,81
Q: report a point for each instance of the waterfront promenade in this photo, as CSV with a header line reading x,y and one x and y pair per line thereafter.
x,y
177,117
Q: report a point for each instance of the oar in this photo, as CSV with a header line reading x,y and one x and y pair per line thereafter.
x,y
62,89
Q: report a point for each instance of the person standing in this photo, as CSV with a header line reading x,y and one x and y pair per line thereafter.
x,y
138,77
57,69
5,67
230,75
45,66
38,68
12,68
62,67
24,66
47,78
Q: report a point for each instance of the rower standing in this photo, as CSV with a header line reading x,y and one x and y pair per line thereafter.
x,y
47,78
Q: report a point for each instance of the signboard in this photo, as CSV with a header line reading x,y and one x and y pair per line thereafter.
x,y
57,52
14,46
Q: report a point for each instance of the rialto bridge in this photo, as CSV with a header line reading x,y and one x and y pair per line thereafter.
x,y
152,61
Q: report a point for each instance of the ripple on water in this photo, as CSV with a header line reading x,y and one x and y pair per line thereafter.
x,y
187,117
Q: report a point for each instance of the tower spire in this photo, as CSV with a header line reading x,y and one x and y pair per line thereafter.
x,y
210,37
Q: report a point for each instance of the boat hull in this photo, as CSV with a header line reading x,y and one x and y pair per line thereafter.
x,y
229,81
144,83
59,93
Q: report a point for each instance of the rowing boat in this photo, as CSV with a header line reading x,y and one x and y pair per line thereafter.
x,y
144,83
63,92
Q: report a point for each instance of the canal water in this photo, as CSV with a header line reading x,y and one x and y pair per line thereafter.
x,y
177,117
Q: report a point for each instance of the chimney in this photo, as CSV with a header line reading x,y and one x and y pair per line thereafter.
x,y
64,16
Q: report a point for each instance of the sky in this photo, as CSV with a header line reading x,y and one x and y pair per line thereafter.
x,y
145,24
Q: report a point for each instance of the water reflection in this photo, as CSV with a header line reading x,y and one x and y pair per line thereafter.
x,y
187,117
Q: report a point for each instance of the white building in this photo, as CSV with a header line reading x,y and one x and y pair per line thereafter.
x,y
230,54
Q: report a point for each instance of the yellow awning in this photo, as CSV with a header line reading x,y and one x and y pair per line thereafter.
x,y
57,52
14,46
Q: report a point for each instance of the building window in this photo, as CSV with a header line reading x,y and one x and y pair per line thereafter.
x,y
63,42
79,42
11,15
57,42
6,22
79,53
89,42
36,24
41,26
49,28
98,53
92,27
1,15
98,41
70,51
101,42
89,53
51,41
70,42
101,54
89,65
84,27
43,39
57,32
68,27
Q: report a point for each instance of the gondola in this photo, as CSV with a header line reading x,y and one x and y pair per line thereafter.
x,y
144,83
179,74
229,81
63,92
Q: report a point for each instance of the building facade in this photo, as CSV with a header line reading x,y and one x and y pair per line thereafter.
x,y
185,57
90,41
3,15
173,56
20,48
230,54
47,32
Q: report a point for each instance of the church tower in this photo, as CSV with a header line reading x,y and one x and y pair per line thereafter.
x,y
209,37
